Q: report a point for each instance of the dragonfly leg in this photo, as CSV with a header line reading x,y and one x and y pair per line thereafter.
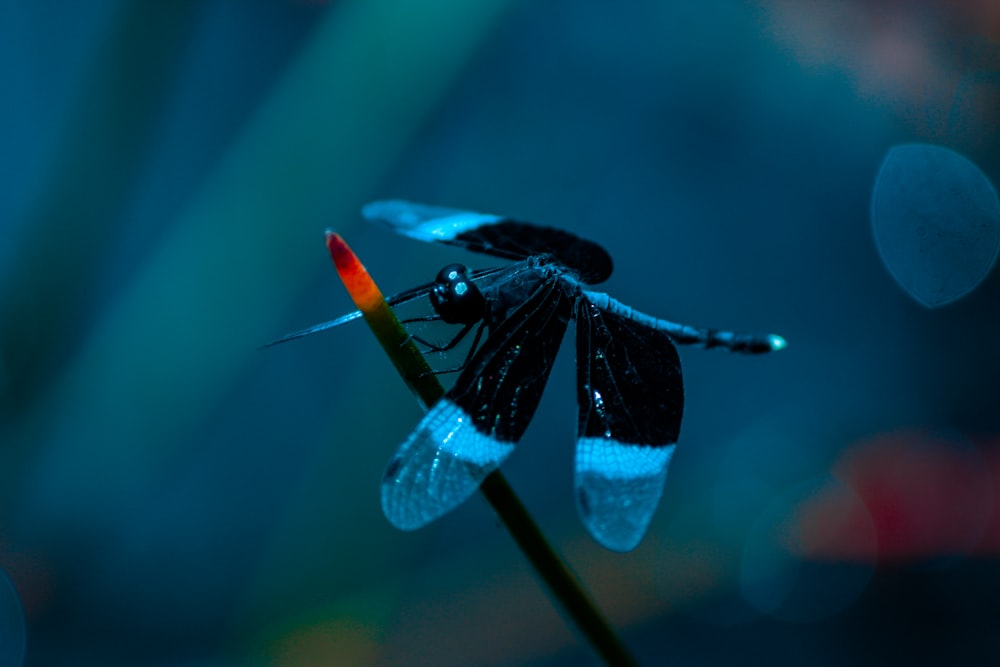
x,y
454,341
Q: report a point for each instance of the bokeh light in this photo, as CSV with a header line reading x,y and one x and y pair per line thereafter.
x,y
936,219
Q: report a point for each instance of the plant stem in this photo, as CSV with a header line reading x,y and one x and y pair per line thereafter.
x,y
415,371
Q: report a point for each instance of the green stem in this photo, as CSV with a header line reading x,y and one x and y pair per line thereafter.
x,y
551,568
415,371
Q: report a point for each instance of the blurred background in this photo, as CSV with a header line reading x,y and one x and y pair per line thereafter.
x,y
171,495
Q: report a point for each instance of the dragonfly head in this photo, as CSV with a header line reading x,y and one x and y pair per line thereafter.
x,y
456,298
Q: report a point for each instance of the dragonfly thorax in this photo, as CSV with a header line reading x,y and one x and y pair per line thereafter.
x,y
456,298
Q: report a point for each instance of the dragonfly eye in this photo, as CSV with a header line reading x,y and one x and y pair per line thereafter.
x,y
455,298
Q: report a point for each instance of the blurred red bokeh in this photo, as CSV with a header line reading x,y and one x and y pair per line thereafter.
x,y
925,495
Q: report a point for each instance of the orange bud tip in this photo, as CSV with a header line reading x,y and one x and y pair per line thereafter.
x,y
340,253
359,284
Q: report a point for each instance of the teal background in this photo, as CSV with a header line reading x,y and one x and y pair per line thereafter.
x,y
171,495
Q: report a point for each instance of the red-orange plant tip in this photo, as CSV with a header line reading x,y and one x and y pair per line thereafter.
x,y
360,286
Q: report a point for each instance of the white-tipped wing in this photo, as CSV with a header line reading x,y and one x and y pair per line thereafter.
x,y
469,433
424,222
439,466
618,488
631,399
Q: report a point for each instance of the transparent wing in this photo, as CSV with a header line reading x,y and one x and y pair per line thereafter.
x,y
439,466
469,433
631,399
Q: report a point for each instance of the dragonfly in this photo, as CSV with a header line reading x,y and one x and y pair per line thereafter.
x,y
630,391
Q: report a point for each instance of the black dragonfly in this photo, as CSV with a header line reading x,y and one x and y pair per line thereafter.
x,y
629,386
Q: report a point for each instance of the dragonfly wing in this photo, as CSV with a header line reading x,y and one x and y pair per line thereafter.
x,y
631,399
434,224
439,466
491,235
473,429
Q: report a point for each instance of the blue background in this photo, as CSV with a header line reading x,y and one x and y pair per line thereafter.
x,y
170,495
